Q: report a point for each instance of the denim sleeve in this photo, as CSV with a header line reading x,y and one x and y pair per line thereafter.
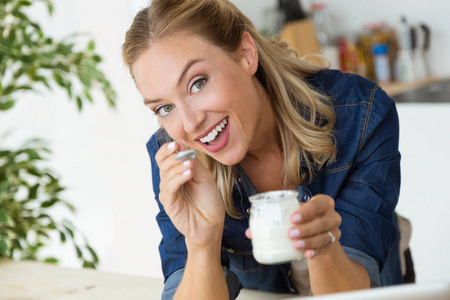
x,y
369,263
370,193
172,283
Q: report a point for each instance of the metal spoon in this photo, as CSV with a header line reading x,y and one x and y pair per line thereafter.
x,y
186,155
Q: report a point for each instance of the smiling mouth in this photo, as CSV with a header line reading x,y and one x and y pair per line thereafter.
x,y
212,135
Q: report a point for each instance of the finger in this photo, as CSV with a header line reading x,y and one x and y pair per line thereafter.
x,y
179,173
317,242
317,206
165,157
166,151
323,223
172,180
248,233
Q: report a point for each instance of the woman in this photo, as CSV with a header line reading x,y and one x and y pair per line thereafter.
x,y
261,120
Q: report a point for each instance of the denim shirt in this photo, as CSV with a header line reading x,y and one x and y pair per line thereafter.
x,y
364,181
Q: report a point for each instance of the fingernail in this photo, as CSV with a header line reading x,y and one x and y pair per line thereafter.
x,y
293,233
187,172
186,163
171,145
310,253
300,244
296,218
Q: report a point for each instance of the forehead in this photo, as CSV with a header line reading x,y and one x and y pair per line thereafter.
x,y
167,57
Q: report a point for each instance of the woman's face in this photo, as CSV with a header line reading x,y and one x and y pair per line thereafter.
x,y
204,96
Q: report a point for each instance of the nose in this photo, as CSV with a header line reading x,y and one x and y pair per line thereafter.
x,y
192,118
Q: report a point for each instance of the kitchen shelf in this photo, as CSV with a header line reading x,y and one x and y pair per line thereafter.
x,y
395,88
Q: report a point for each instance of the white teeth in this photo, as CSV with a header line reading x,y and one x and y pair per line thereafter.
x,y
212,135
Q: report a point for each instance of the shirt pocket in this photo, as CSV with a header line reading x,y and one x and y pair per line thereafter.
x,y
241,256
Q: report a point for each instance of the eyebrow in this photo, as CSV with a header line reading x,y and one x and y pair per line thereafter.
x,y
188,65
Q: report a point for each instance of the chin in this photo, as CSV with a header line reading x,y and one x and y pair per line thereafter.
x,y
230,159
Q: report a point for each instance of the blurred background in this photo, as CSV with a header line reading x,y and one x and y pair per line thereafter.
x,y
100,152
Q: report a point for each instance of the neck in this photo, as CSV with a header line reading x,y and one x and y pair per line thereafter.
x,y
266,141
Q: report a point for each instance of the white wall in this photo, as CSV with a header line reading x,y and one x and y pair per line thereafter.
x,y
101,156
424,197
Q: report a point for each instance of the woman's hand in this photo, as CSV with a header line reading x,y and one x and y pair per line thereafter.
x,y
199,217
312,222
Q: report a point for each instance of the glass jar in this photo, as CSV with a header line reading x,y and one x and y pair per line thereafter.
x,y
270,222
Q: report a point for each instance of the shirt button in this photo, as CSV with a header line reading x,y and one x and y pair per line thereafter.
x,y
248,211
229,250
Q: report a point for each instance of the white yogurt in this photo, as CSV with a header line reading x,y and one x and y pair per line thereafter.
x,y
269,225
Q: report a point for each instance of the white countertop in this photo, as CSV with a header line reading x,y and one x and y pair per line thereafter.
x,y
38,281
28,280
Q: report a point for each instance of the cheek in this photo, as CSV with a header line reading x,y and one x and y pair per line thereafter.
x,y
174,127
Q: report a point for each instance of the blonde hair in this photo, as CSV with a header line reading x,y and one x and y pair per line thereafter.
x,y
305,117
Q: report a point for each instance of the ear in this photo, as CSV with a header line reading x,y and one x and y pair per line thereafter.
x,y
248,53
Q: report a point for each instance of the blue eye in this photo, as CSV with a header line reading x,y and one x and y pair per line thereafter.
x,y
198,85
164,110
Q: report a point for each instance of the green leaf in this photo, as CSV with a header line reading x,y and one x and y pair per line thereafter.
x,y
88,95
3,247
50,7
42,233
6,91
91,45
79,253
34,171
41,216
24,3
49,203
97,58
62,237
3,217
15,244
32,154
51,226
93,253
85,79
19,15
51,260
59,80
25,87
70,231
88,264
63,67
7,105
79,103
68,87
32,194
69,206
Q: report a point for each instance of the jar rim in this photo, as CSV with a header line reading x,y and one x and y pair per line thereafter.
x,y
273,195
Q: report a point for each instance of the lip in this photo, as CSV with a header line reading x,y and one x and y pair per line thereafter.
x,y
209,130
223,142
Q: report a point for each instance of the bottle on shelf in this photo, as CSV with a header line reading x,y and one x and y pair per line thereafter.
x,y
420,35
381,63
326,33
403,63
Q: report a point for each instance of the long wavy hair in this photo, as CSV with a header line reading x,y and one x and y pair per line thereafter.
x,y
305,117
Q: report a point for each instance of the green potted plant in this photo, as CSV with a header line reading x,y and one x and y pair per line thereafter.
x,y
29,190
